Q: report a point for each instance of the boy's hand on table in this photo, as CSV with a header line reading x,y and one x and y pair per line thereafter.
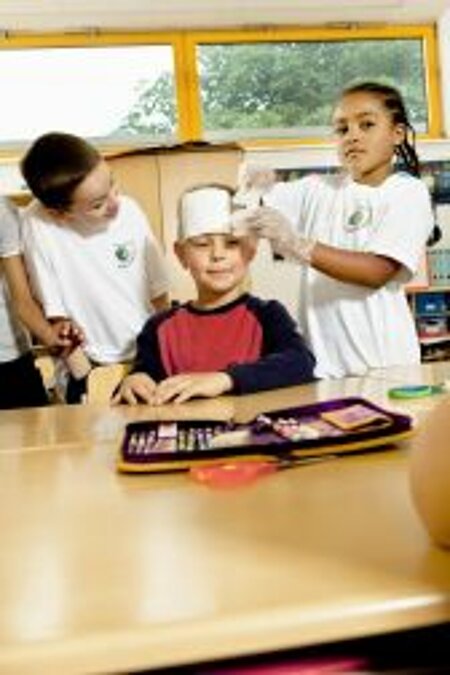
x,y
134,389
180,388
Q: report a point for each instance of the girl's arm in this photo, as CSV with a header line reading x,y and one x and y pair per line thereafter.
x,y
410,217
353,267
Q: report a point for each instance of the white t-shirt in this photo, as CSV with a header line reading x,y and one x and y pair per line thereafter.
x,y
103,280
352,328
13,337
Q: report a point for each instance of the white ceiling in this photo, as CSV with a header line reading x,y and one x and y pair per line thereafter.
x,y
73,15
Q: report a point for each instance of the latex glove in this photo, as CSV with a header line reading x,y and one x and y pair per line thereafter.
x,y
254,181
271,224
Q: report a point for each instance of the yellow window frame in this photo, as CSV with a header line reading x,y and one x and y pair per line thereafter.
x,y
426,33
184,45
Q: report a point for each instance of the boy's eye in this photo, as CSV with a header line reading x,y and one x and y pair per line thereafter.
x,y
199,242
341,130
233,241
96,205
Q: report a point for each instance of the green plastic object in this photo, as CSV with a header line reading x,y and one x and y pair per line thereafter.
x,y
414,391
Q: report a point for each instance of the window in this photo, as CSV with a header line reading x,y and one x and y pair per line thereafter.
x,y
122,91
288,88
283,84
99,92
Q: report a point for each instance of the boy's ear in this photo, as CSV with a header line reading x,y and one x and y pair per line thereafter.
x,y
251,248
179,251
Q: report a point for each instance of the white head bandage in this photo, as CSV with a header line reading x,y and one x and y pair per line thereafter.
x,y
205,210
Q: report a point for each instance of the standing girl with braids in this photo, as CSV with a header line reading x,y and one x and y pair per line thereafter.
x,y
358,235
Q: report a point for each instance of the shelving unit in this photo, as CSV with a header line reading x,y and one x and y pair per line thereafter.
x,y
431,309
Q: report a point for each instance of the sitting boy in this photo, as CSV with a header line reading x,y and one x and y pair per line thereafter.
x,y
90,251
225,341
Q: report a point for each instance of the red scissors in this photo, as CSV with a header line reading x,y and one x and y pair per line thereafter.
x,y
230,474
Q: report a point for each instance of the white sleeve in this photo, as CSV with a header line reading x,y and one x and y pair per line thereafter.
x,y
10,239
406,223
37,251
290,197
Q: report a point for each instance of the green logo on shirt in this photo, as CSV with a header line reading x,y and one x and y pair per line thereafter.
x,y
361,217
125,253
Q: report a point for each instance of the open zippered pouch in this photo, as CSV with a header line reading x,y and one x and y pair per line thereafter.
x,y
336,427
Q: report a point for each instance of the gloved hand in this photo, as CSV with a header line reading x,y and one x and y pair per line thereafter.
x,y
271,224
254,181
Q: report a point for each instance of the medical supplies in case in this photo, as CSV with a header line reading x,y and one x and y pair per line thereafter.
x,y
335,427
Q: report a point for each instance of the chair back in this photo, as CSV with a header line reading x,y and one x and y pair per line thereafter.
x,y
102,380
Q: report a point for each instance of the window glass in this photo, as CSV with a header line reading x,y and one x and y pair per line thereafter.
x,y
276,89
101,93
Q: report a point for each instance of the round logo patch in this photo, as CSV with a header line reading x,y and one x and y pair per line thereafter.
x,y
125,253
361,217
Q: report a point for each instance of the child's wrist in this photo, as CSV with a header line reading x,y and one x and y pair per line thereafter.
x,y
228,383
304,249
50,338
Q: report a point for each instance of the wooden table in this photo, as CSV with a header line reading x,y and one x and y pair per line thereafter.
x,y
101,572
